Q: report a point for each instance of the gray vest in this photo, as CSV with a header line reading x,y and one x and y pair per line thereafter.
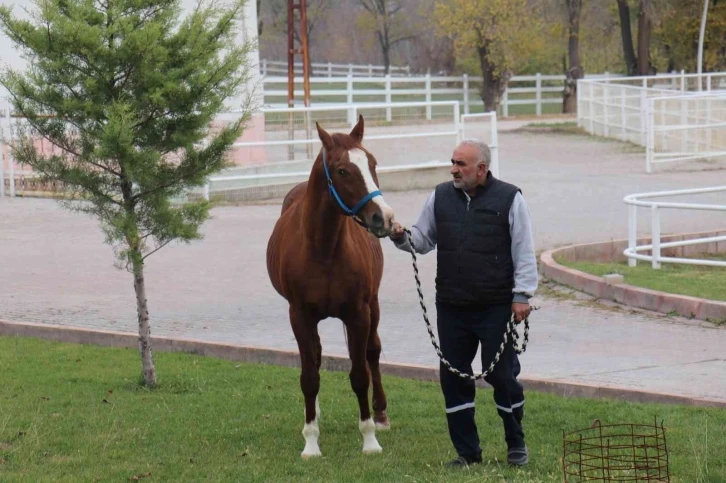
x,y
474,248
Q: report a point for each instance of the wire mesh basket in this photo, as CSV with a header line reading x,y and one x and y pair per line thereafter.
x,y
616,453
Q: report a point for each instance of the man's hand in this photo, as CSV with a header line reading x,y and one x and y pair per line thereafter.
x,y
396,231
521,311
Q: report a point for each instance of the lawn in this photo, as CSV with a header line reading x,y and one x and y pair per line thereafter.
x,y
693,280
77,413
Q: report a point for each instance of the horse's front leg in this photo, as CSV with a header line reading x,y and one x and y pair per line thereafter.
x,y
305,328
373,355
358,328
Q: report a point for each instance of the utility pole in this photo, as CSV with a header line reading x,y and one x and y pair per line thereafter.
x,y
301,6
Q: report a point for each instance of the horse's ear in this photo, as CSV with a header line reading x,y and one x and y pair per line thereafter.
x,y
325,138
357,132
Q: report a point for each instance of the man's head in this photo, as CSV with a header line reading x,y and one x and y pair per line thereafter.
x,y
470,163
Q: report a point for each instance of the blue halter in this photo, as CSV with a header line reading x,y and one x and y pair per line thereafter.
x,y
348,211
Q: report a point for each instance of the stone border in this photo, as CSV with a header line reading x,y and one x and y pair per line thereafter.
x,y
612,251
330,362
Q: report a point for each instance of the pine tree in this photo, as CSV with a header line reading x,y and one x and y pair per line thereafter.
x,y
125,91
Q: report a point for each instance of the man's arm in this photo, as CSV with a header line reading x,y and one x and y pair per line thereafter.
x,y
525,262
423,231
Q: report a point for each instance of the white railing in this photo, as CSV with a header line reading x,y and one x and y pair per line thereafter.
x,y
534,91
687,127
656,258
6,155
329,69
456,127
488,134
622,108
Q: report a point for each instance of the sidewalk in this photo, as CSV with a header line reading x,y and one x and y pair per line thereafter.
x,y
56,270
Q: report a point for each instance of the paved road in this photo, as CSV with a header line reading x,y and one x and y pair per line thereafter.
x,y
54,268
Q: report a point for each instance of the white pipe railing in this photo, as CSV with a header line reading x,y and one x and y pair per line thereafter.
x,y
656,258
330,69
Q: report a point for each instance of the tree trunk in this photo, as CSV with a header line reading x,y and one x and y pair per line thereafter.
x,y
575,71
627,36
493,85
644,28
147,357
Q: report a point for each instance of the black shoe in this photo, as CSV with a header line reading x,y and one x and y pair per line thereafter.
x,y
518,456
462,462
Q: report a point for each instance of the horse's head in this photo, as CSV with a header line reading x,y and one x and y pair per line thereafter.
x,y
351,176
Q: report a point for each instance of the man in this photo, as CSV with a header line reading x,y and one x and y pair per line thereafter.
x,y
486,273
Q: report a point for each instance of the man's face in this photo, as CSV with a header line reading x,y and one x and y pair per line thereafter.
x,y
464,167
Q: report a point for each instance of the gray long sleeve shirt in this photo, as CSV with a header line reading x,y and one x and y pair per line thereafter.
x,y
525,262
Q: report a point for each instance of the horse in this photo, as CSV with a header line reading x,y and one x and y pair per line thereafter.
x,y
326,265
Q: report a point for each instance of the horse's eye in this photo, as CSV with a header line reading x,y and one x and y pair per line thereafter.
x,y
342,172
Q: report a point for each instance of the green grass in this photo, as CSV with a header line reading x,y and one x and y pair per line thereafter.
x,y
693,280
74,413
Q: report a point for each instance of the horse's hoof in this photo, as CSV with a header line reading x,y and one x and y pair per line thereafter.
x,y
373,450
382,422
310,454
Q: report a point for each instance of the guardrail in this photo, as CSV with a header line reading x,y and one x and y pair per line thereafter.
x,y
656,258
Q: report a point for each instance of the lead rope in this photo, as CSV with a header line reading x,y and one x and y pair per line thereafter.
x,y
509,334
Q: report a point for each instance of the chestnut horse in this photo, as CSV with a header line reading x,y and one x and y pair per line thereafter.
x,y
326,265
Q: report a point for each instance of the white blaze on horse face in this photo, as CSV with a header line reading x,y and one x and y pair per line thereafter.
x,y
370,443
360,159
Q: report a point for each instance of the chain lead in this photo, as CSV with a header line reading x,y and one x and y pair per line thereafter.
x,y
510,333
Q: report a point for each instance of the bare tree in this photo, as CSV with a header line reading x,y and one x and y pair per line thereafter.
x,y
575,70
389,25
317,10
640,64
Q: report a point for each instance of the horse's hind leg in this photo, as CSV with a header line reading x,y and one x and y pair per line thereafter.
x,y
305,328
358,328
373,355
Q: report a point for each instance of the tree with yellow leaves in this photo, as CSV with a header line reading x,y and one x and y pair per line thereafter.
x,y
503,33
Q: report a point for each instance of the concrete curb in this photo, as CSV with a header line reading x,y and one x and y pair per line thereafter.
x,y
611,251
330,362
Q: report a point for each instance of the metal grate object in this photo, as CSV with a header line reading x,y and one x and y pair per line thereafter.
x,y
616,453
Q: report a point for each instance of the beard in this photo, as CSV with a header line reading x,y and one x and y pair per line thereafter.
x,y
464,184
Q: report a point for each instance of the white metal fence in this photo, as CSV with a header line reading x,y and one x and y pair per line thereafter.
x,y
528,94
329,69
656,246
688,127
629,109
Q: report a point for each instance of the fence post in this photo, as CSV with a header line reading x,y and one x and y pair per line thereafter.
x,y
494,146
388,97
650,138
428,96
457,122
350,69
538,94
655,231
632,232
683,80
606,109
505,103
2,160
580,102
370,70
205,191
349,93
643,115
591,107
708,82
264,67
11,161
353,115
466,93
622,113
330,69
